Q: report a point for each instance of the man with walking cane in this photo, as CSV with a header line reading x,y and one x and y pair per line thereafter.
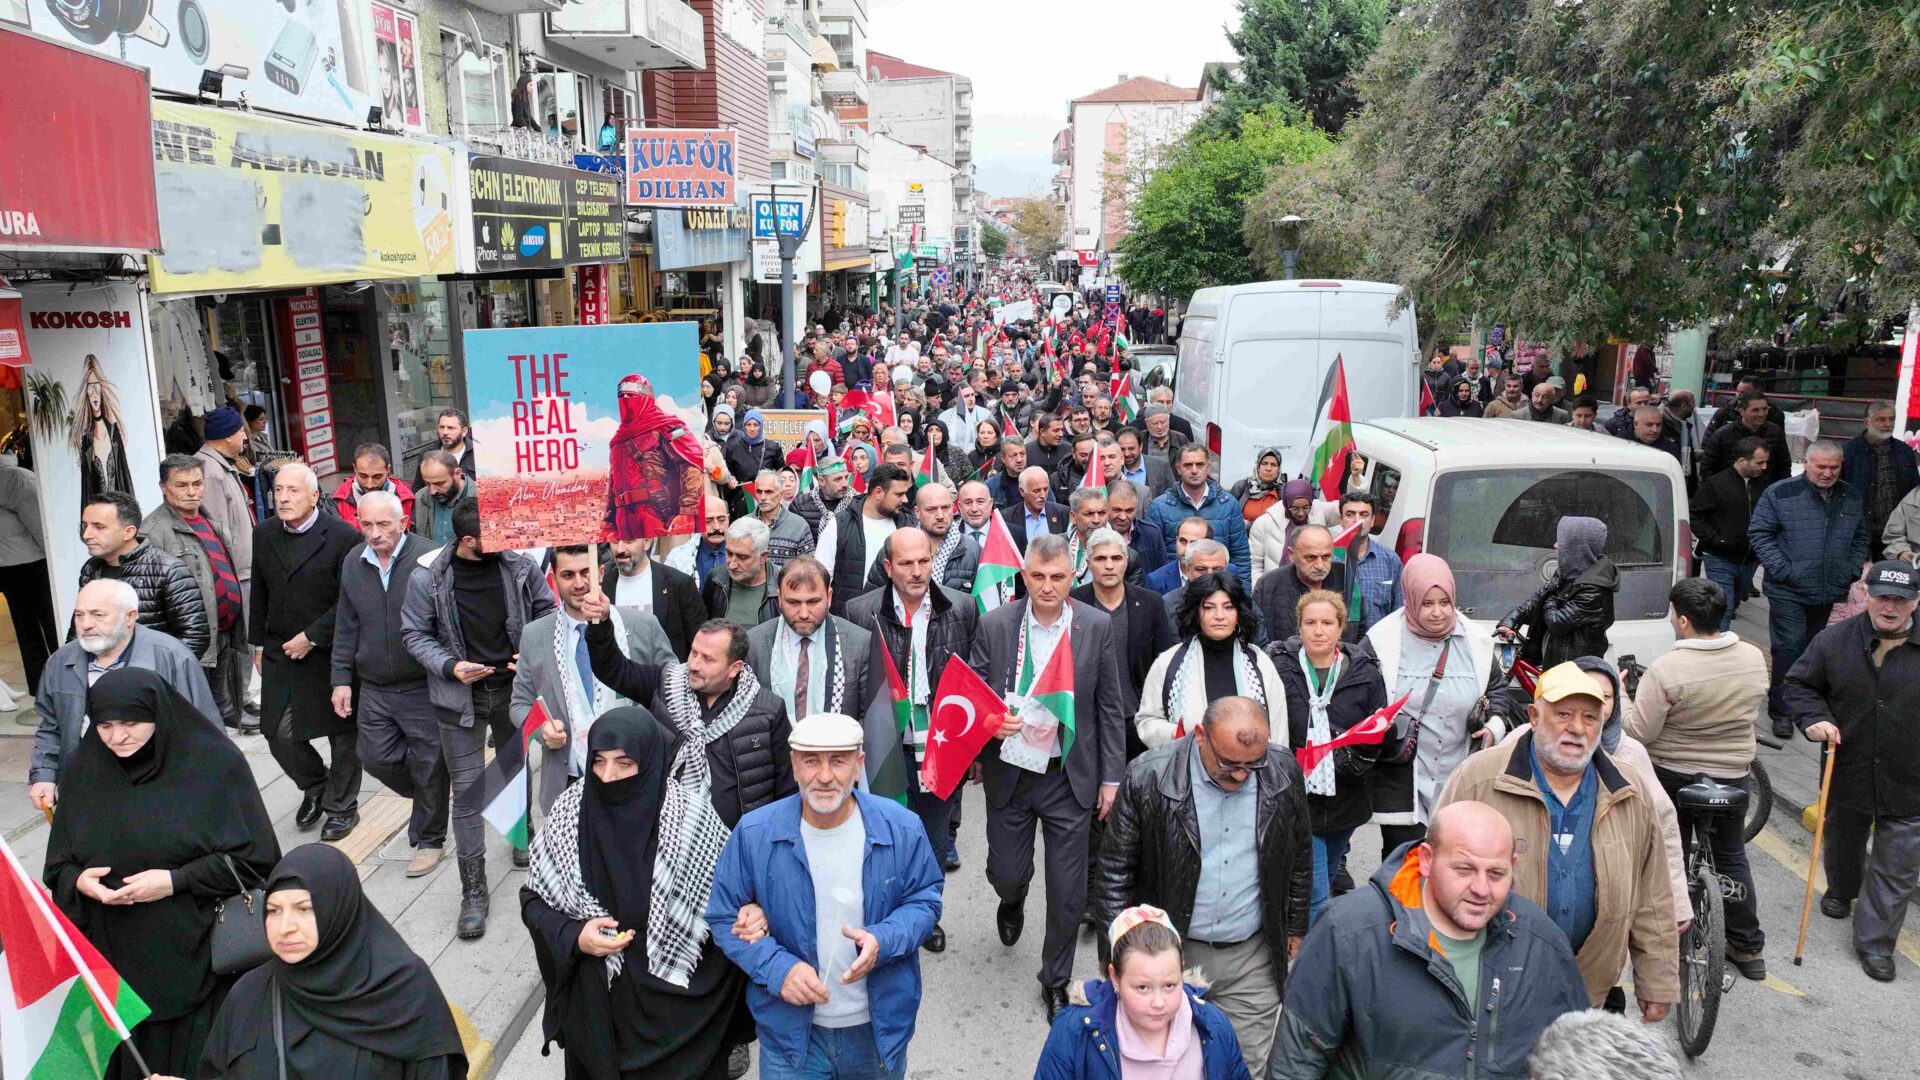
x,y
1857,689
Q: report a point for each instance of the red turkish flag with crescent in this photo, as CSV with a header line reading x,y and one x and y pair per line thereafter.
x,y
964,718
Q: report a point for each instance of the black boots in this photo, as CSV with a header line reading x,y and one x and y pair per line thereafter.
x,y
473,899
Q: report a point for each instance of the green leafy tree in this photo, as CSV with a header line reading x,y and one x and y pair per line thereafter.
x,y
992,241
1037,224
1184,231
1299,53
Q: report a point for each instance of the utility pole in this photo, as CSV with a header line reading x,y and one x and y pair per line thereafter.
x,y
789,326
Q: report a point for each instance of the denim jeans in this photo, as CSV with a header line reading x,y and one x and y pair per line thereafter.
x,y
1329,851
834,1054
1790,626
1729,858
1733,578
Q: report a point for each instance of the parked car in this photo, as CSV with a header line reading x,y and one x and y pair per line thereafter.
x,y
1447,488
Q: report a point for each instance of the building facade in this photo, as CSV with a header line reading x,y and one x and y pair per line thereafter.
x,y
1106,151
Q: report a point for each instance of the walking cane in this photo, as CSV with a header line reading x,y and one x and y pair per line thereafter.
x,y
1813,861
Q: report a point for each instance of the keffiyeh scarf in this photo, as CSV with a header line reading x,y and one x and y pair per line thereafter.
x,y
948,550
1319,728
1187,692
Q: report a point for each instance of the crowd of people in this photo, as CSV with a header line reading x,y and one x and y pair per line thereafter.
x,y
710,865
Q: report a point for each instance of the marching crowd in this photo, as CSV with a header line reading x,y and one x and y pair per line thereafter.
x,y
712,866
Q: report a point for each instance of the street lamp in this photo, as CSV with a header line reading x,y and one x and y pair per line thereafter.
x,y
1289,230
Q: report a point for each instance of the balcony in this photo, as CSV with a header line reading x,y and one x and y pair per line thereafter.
x,y
843,9
633,35
518,7
848,86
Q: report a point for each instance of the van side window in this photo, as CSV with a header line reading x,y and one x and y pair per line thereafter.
x,y
1386,488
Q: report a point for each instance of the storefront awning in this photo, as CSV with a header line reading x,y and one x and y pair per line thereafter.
x,y
824,58
863,264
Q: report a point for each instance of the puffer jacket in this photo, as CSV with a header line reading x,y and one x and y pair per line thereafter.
x,y
1360,691
1152,848
750,764
169,597
1083,1045
1811,547
950,634
1373,997
1564,619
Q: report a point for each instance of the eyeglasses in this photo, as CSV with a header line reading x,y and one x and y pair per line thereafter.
x,y
1259,765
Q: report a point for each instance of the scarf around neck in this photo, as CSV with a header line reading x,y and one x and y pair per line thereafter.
x,y
1319,728
1187,691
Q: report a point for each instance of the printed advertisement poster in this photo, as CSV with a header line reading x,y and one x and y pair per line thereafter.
x,y
396,46
91,340
302,57
788,426
586,434
252,203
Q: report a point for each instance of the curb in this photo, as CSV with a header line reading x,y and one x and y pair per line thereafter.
x,y
496,1052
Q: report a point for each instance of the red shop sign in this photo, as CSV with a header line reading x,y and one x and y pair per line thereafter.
x,y
84,180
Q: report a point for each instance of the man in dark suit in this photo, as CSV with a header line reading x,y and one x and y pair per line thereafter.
x,y
923,625
1139,616
633,580
1070,772
1123,517
297,558
1035,514
1168,577
836,650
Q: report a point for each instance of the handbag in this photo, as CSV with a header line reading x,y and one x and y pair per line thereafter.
x,y
240,928
1410,741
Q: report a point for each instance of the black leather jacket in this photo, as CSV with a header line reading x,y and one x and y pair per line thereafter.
x,y
1151,851
1568,619
169,597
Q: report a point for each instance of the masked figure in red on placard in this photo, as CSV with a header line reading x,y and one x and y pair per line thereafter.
x,y
653,454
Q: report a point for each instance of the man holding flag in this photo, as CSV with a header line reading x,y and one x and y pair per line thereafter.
x,y
1372,570
917,627
1062,754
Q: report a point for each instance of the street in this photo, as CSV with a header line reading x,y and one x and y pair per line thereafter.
x,y
981,1016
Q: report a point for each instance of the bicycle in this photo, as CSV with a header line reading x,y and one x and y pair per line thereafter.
x,y
1704,973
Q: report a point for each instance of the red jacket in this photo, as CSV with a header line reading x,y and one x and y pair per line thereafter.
x,y
343,501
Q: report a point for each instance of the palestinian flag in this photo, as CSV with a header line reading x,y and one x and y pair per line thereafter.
x,y
508,778
1120,389
1335,425
889,715
1008,425
1346,553
803,459
63,1009
1000,563
925,470
1052,689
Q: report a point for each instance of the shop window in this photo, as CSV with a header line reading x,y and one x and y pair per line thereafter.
x,y
419,348
476,86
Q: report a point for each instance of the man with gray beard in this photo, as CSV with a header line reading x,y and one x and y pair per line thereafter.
x,y
106,634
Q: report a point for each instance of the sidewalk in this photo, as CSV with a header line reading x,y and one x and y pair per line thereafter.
x,y
1795,768
493,984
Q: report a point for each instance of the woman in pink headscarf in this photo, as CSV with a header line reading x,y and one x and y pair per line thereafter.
x,y
1429,651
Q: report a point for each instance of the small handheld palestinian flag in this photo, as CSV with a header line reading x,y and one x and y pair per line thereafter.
x,y
1000,564
926,470
889,715
63,1009
505,785
1346,552
1120,389
804,459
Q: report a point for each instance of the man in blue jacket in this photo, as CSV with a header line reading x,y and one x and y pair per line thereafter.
x,y
1197,495
823,898
1809,535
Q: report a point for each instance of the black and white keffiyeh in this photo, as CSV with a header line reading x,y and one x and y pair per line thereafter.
x,y
949,548
1187,698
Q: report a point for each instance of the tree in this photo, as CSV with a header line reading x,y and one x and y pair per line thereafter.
x,y
1185,228
993,242
1038,224
1300,53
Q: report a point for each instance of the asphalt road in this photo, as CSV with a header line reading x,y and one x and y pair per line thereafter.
x,y
981,1019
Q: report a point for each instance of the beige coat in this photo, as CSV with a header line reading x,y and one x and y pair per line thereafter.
x,y
1635,910
1696,705
225,504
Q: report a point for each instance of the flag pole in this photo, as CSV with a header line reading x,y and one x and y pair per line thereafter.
x,y
100,1002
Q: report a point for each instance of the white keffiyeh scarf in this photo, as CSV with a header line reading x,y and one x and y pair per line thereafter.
x,y
1187,691
1319,729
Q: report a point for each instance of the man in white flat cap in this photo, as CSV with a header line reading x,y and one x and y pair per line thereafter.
x,y
834,987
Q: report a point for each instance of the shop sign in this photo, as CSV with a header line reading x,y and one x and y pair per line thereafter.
x,y
561,456
913,213
801,126
396,47
684,239
680,167
91,340
75,189
778,217
297,320
788,426
531,216
252,203
593,295
307,59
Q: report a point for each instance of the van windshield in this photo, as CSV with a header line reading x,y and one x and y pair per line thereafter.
x,y
1495,528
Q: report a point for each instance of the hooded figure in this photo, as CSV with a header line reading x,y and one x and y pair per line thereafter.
x,y
651,457
1460,400
1570,615
639,1012
360,1006
185,802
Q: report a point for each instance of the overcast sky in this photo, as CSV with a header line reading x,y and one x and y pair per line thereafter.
x,y
1029,58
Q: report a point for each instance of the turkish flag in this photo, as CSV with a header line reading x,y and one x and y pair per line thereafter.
x,y
1369,732
965,717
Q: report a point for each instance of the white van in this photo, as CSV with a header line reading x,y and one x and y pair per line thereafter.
x,y
1487,495
1254,357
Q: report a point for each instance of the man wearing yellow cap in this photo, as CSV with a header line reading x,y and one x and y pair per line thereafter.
x,y
1589,843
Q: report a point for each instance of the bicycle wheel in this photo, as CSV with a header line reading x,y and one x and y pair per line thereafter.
x,y
1759,801
1703,961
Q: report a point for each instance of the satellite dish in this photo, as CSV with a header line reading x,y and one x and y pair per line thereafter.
x,y
475,45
